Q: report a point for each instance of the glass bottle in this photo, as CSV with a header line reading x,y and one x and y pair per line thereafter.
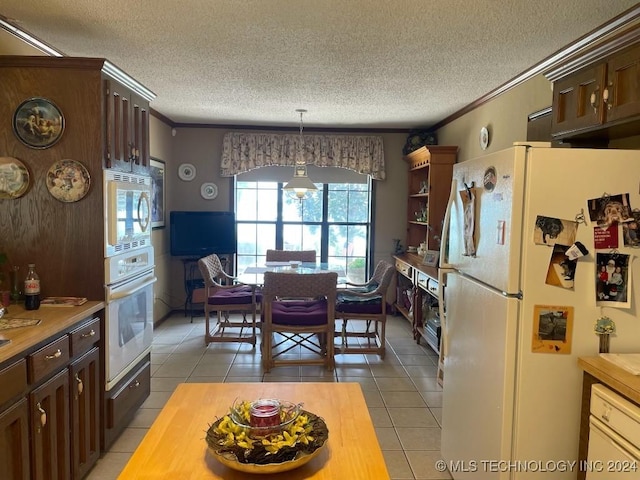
x,y
16,293
32,289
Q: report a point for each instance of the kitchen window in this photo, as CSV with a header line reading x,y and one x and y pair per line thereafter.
x,y
335,221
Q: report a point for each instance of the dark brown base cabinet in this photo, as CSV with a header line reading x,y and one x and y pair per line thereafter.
x,y
50,440
84,380
122,401
50,409
14,442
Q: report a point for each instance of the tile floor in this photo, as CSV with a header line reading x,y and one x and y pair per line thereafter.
x,y
401,391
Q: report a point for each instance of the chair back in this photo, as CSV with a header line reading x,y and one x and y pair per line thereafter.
x,y
296,285
385,277
210,268
378,273
308,256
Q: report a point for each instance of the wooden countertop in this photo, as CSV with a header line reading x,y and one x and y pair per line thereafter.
x,y
617,378
53,321
175,446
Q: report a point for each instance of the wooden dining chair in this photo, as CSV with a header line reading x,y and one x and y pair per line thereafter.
x,y
225,295
305,319
368,302
306,256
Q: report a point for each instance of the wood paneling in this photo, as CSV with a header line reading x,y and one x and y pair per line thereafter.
x,y
64,240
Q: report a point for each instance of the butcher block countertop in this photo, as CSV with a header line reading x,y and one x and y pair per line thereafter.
x,y
53,320
610,374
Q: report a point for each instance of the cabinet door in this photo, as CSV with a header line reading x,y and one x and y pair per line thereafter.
x,y
572,101
50,446
118,142
14,442
623,86
84,380
140,134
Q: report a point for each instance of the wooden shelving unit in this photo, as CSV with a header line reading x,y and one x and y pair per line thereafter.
x,y
417,295
430,170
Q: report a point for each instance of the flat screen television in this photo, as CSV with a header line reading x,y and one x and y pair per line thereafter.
x,y
197,234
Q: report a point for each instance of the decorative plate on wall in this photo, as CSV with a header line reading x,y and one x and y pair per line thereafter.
x,y
209,191
187,172
68,181
14,178
38,123
484,138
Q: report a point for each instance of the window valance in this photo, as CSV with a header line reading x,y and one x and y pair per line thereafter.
x,y
242,152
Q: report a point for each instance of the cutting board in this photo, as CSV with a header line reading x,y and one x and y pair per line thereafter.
x,y
627,361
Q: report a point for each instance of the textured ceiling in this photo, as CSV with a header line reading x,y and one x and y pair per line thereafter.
x,y
350,63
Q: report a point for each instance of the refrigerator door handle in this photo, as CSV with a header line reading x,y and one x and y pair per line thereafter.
x,y
444,240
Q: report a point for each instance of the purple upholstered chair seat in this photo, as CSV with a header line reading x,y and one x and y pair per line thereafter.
x,y
241,295
303,313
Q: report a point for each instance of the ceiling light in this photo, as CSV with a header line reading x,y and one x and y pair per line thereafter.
x,y
300,186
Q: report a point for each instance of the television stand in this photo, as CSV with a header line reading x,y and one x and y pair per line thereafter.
x,y
193,285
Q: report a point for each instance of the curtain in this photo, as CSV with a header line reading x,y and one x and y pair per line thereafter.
x,y
242,152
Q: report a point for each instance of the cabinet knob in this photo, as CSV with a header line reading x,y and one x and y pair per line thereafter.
x,y
594,100
80,384
135,385
43,415
606,96
58,354
90,333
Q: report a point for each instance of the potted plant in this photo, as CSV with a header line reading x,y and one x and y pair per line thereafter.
x,y
604,327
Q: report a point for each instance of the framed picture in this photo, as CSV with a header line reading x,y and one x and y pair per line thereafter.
x,y
552,329
157,193
431,258
38,123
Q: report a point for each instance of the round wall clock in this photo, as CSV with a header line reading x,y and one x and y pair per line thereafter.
x,y
209,191
484,138
187,172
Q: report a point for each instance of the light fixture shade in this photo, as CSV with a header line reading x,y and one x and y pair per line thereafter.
x,y
299,185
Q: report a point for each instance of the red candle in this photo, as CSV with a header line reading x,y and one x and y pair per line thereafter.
x,y
265,413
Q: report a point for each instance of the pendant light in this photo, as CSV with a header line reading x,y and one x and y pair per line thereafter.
x,y
300,186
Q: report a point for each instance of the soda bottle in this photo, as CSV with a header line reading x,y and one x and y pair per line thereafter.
x,y
32,289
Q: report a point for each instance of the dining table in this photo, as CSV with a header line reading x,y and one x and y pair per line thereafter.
x,y
175,445
254,274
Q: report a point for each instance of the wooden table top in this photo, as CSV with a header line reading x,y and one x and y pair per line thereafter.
x,y
610,374
175,445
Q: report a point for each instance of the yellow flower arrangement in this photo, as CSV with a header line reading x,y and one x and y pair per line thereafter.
x,y
299,433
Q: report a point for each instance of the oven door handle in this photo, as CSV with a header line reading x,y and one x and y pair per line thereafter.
x,y
130,291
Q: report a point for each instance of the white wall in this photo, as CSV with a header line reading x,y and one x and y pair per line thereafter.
x,y
505,117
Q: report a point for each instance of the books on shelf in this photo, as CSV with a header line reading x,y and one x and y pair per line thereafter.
x,y
62,301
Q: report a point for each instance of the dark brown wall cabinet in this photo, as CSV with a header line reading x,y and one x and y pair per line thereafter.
x,y
598,96
127,129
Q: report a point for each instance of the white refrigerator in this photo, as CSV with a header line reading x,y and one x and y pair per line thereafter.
x,y
505,405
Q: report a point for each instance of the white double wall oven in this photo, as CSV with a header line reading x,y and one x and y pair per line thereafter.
x,y
129,273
